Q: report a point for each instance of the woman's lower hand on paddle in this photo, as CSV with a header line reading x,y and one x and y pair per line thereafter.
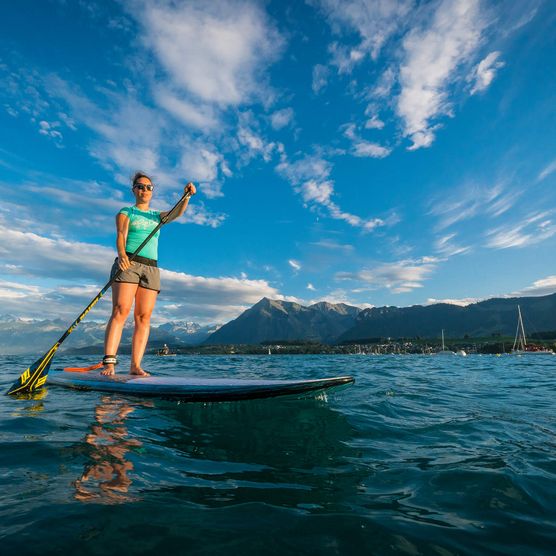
x,y
123,261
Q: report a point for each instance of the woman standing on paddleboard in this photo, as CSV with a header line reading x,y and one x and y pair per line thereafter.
x,y
140,279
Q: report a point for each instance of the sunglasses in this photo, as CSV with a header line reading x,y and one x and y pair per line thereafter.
x,y
143,187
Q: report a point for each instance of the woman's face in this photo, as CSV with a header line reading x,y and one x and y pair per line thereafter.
x,y
142,194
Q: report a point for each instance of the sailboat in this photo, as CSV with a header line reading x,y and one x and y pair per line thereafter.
x,y
444,350
520,342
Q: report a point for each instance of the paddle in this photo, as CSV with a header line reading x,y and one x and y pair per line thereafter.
x,y
35,376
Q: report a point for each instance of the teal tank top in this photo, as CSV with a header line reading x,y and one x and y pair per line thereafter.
x,y
141,224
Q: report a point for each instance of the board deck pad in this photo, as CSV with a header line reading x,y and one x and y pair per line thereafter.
x,y
193,389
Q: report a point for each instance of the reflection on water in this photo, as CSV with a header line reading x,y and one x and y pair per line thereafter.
x,y
106,478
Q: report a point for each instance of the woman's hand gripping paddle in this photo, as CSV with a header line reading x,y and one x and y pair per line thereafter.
x,y
35,376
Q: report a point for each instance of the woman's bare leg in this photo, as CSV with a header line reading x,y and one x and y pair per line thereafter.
x,y
122,299
144,305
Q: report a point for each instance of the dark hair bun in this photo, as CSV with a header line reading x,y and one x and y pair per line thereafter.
x,y
139,175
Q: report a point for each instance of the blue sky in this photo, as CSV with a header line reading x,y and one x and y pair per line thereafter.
x,y
369,152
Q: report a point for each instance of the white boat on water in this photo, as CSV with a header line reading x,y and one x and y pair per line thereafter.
x,y
444,351
520,343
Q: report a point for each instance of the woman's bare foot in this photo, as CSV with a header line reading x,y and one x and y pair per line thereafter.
x,y
139,372
108,370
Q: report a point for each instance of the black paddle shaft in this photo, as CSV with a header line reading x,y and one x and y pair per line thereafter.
x,y
35,376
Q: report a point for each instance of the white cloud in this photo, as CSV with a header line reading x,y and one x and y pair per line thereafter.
x,y
547,171
216,51
281,118
544,286
311,287
484,73
383,88
254,144
320,78
334,245
344,57
198,214
198,115
398,277
446,246
535,228
294,264
218,299
46,257
459,302
200,162
310,177
375,21
472,200
129,133
49,260
432,56
50,129
374,123
362,148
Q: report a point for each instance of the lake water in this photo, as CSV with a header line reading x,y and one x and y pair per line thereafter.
x,y
423,455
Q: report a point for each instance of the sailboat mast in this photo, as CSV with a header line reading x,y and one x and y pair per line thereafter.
x,y
516,330
523,338
443,348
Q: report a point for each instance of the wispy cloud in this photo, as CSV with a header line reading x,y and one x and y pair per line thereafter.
x,y
484,73
294,264
200,116
535,228
310,177
543,286
374,21
215,51
199,62
398,277
333,245
363,148
547,171
446,246
432,56
281,118
471,200
464,302
320,78
35,255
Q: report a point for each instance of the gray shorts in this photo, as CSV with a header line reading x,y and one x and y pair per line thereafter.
x,y
146,276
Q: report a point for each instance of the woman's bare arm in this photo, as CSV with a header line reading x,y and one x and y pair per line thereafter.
x,y
122,227
182,206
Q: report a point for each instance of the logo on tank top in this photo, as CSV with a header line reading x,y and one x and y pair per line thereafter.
x,y
142,223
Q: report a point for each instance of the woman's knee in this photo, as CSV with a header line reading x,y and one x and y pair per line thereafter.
x,y
142,319
120,311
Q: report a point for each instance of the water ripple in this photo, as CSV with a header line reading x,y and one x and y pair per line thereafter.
x,y
422,456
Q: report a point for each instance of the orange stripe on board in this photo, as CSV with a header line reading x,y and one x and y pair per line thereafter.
x,y
83,369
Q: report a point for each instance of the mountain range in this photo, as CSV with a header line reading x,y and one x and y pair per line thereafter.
x,y
271,320
22,336
276,321
482,319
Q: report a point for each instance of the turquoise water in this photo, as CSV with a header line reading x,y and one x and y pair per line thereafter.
x,y
423,455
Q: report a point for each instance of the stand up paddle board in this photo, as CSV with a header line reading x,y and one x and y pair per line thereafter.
x,y
192,389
